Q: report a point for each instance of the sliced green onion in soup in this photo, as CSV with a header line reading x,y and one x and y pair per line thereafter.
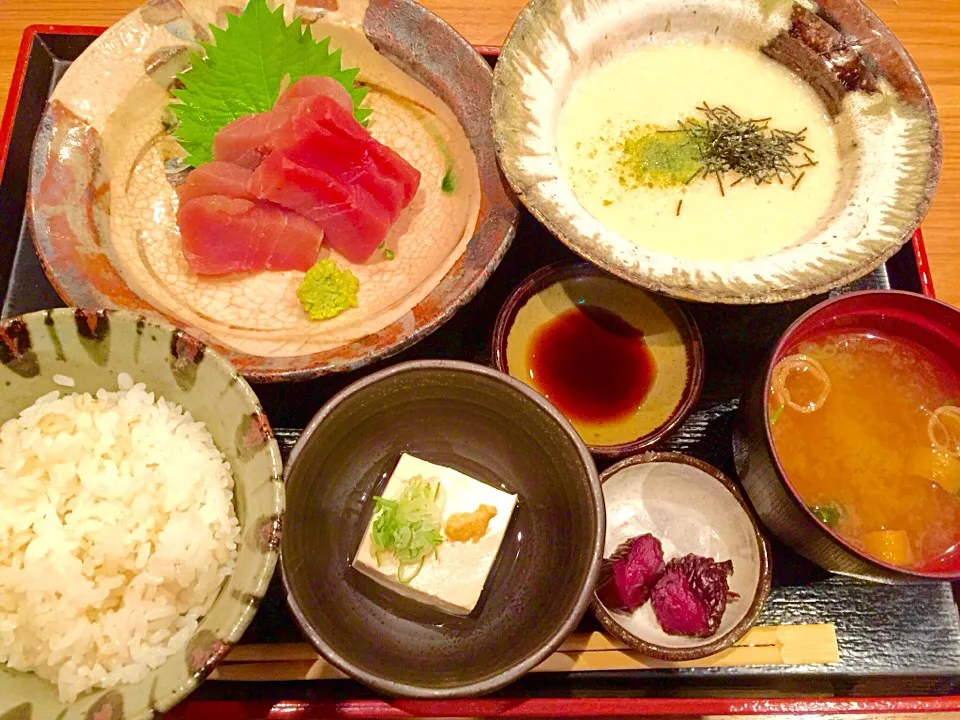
x,y
775,415
799,363
827,514
943,429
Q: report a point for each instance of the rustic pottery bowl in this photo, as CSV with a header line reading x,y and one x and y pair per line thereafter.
x,y
928,322
839,48
495,429
691,507
93,348
669,332
103,207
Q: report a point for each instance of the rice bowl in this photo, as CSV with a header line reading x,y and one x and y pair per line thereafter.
x,y
139,516
118,530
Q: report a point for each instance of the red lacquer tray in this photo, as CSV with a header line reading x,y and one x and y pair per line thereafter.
x,y
901,645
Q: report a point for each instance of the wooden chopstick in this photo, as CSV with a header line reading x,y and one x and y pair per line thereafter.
x,y
288,652
581,652
273,671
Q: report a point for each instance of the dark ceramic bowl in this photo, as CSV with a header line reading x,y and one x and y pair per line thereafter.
x,y
669,332
931,323
498,431
691,507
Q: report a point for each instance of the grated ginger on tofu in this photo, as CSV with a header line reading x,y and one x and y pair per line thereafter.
x,y
470,526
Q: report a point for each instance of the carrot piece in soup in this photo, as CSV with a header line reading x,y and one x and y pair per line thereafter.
x,y
892,546
930,464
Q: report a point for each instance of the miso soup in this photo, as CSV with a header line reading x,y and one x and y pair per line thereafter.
x,y
867,429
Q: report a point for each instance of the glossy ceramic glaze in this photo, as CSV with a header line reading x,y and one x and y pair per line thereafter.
x,y
691,507
491,427
932,324
93,347
841,49
103,206
669,332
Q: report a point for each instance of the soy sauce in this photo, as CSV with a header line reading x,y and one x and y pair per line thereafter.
x,y
591,364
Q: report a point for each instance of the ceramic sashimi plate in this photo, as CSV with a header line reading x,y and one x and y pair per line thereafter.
x,y
107,163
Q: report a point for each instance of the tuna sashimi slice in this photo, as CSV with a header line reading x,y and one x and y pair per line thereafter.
x,y
222,235
216,178
337,120
352,222
348,161
309,87
248,139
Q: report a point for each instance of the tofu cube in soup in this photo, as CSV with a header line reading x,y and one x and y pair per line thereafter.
x,y
434,535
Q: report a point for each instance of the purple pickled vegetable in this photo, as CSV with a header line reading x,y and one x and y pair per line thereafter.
x,y
628,576
691,596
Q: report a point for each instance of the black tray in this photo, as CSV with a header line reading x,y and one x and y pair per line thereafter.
x,y
894,640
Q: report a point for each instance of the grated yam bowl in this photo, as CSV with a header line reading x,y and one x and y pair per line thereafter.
x,y
890,156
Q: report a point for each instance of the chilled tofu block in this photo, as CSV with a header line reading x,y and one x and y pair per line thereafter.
x,y
452,579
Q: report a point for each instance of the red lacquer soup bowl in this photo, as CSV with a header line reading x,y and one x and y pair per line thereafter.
x,y
930,325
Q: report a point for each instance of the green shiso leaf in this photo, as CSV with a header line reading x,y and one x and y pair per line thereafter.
x,y
408,527
242,70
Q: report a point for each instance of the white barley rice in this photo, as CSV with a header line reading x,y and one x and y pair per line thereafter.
x,y
117,530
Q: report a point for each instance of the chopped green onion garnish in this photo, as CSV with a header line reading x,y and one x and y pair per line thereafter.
x,y
406,575
408,527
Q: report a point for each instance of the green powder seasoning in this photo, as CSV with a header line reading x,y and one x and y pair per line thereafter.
x,y
656,158
715,143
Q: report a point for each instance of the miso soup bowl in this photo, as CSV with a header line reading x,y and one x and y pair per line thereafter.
x,y
931,323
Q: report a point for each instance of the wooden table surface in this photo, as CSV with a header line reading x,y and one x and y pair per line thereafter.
x,y
930,29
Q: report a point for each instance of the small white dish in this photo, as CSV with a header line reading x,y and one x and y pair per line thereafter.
x,y
691,507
